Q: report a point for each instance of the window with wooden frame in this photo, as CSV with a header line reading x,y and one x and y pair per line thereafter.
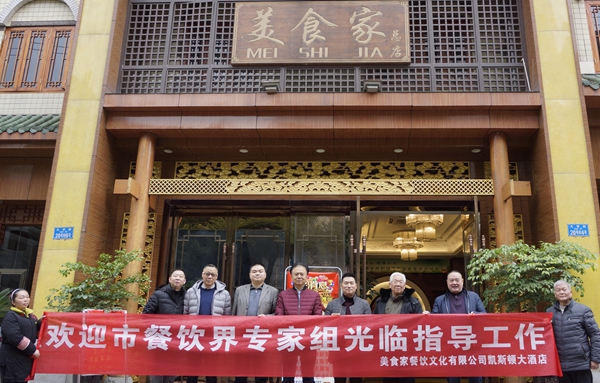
x,y
35,58
593,13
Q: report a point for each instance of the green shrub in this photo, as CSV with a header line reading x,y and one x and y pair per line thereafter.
x,y
102,286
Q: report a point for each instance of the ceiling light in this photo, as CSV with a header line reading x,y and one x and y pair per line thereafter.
x,y
424,225
408,245
398,150
243,150
475,150
320,150
168,151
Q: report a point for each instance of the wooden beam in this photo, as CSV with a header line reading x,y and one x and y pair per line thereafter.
x,y
129,186
516,189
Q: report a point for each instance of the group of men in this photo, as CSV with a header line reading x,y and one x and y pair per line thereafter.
x,y
576,332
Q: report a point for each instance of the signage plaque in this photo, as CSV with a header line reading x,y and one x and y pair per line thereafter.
x,y
63,233
321,32
578,230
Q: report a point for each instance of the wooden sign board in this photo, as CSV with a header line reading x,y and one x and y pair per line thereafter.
x,y
321,32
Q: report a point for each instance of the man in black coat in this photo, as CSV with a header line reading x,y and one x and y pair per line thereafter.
x,y
397,300
576,335
167,299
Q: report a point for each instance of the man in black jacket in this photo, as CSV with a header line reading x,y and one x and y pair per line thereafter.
x,y
167,299
397,300
576,334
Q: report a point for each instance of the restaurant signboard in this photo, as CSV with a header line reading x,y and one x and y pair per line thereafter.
x,y
321,32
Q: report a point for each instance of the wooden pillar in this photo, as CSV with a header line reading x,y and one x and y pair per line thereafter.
x,y
137,227
503,209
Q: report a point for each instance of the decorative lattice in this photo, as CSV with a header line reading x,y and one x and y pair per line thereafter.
x,y
419,33
148,248
147,34
456,79
504,79
224,34
320,187
320,80
190,34
322,170
185,47
156,169
399,79
186,81
21,214
453,42
513,170
241,80
141,81
519,231
500,35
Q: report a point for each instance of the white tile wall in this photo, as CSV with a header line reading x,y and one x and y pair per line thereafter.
x,y
4,3
582,36
43,10
31,103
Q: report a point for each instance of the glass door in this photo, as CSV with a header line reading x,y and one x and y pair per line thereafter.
x,y
234,243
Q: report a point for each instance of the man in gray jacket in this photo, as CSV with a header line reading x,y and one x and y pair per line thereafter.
x,y
255,299
576,335
207,297
348,304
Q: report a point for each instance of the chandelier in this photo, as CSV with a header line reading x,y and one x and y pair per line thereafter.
x,y
408,244
424,225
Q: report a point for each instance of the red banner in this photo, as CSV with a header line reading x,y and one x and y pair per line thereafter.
x,y
316,346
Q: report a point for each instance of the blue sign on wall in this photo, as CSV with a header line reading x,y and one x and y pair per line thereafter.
x,y
578,230
63,233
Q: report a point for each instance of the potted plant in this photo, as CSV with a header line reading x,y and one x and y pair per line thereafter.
x,y
520,277
102,286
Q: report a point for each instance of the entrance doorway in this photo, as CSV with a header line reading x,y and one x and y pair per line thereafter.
x,y
352,235
235,239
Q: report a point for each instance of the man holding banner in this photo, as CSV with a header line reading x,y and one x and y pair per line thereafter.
x,y
397,300
255,299
348,304
576,334
207,296
457,300
299,300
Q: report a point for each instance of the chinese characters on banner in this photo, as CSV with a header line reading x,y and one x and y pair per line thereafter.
x,y
356,345
317,32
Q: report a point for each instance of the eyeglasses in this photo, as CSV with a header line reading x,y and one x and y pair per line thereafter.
x,y
397,282
213,275
454,280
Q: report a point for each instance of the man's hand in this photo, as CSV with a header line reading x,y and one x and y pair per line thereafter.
x,y
36,355
594,365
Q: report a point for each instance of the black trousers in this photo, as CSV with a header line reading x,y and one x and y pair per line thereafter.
x,y
194,379
398,380
244,379
304,380
580,376
352,380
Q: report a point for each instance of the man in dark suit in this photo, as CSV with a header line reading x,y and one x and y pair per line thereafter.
x,y
255,299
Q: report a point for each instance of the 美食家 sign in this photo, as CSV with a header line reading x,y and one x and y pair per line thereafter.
x,y
321,32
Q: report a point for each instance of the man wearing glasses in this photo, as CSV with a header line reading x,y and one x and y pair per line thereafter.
x,y
207,297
